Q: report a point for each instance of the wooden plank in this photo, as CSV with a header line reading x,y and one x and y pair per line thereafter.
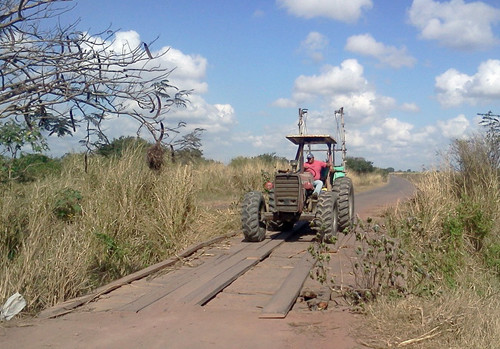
x,y
206,292
283,300
159,292
251,251
197,277
251,248
68,306
216,281
181,279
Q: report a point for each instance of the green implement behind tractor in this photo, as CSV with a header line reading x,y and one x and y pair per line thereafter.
x,y
290,195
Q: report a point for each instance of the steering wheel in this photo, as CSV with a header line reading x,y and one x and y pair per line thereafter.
x,y
312,171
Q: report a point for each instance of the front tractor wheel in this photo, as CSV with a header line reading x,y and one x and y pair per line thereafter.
x,y
252,214
327,215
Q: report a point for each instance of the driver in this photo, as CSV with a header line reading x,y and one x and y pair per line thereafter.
x,y
315,167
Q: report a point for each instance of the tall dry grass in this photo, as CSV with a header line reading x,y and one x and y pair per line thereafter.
x,y
450,232
128,217
460,318
367,181
219,180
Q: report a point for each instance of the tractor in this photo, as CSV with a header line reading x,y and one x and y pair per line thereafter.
x,y
291,197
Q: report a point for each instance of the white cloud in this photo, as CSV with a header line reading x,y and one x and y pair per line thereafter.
x,y
125,41
344,79
390,139
284,103
397,131
340,10
315,41
215,118
313,45
486,82
341,86
355,138
454,128
410,107
272,140
455,88
370,131
455,24
365,44
364,107
390,131
425,136
189,70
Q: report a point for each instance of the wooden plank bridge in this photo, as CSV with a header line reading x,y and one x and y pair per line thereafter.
x,y
269,274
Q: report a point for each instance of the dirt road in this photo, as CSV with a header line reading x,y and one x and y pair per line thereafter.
x,y
229,320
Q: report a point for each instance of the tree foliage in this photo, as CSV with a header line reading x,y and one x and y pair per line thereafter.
x,y
271,158
58,78
28,168
188,148
266,158
14,136
359,165
118,145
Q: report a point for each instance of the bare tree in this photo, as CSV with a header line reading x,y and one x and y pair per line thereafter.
x,y
492,123
58,78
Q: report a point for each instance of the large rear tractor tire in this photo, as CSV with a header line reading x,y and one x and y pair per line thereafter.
x,y
327,215
345,192
252,212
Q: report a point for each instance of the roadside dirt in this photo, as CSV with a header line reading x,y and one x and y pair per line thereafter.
x,y
231,319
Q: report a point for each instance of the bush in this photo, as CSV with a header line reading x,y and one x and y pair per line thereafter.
x,y
67,204
30,167
27,168
359,165
492,257
118,146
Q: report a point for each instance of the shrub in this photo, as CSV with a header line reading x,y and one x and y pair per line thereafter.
x,y
30,167
359,164
67,204
118,146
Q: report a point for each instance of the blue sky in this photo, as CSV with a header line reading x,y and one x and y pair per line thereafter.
x,y
410,74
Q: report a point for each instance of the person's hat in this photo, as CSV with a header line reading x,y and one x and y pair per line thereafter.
x,y
309,156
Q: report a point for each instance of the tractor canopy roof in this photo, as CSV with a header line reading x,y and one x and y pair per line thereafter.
x,y
311,139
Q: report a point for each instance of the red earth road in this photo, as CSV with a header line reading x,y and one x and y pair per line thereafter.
x,y
229,321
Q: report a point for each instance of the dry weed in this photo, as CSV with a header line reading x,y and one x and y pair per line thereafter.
x,y
366,181
447,230
129,217
463,318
